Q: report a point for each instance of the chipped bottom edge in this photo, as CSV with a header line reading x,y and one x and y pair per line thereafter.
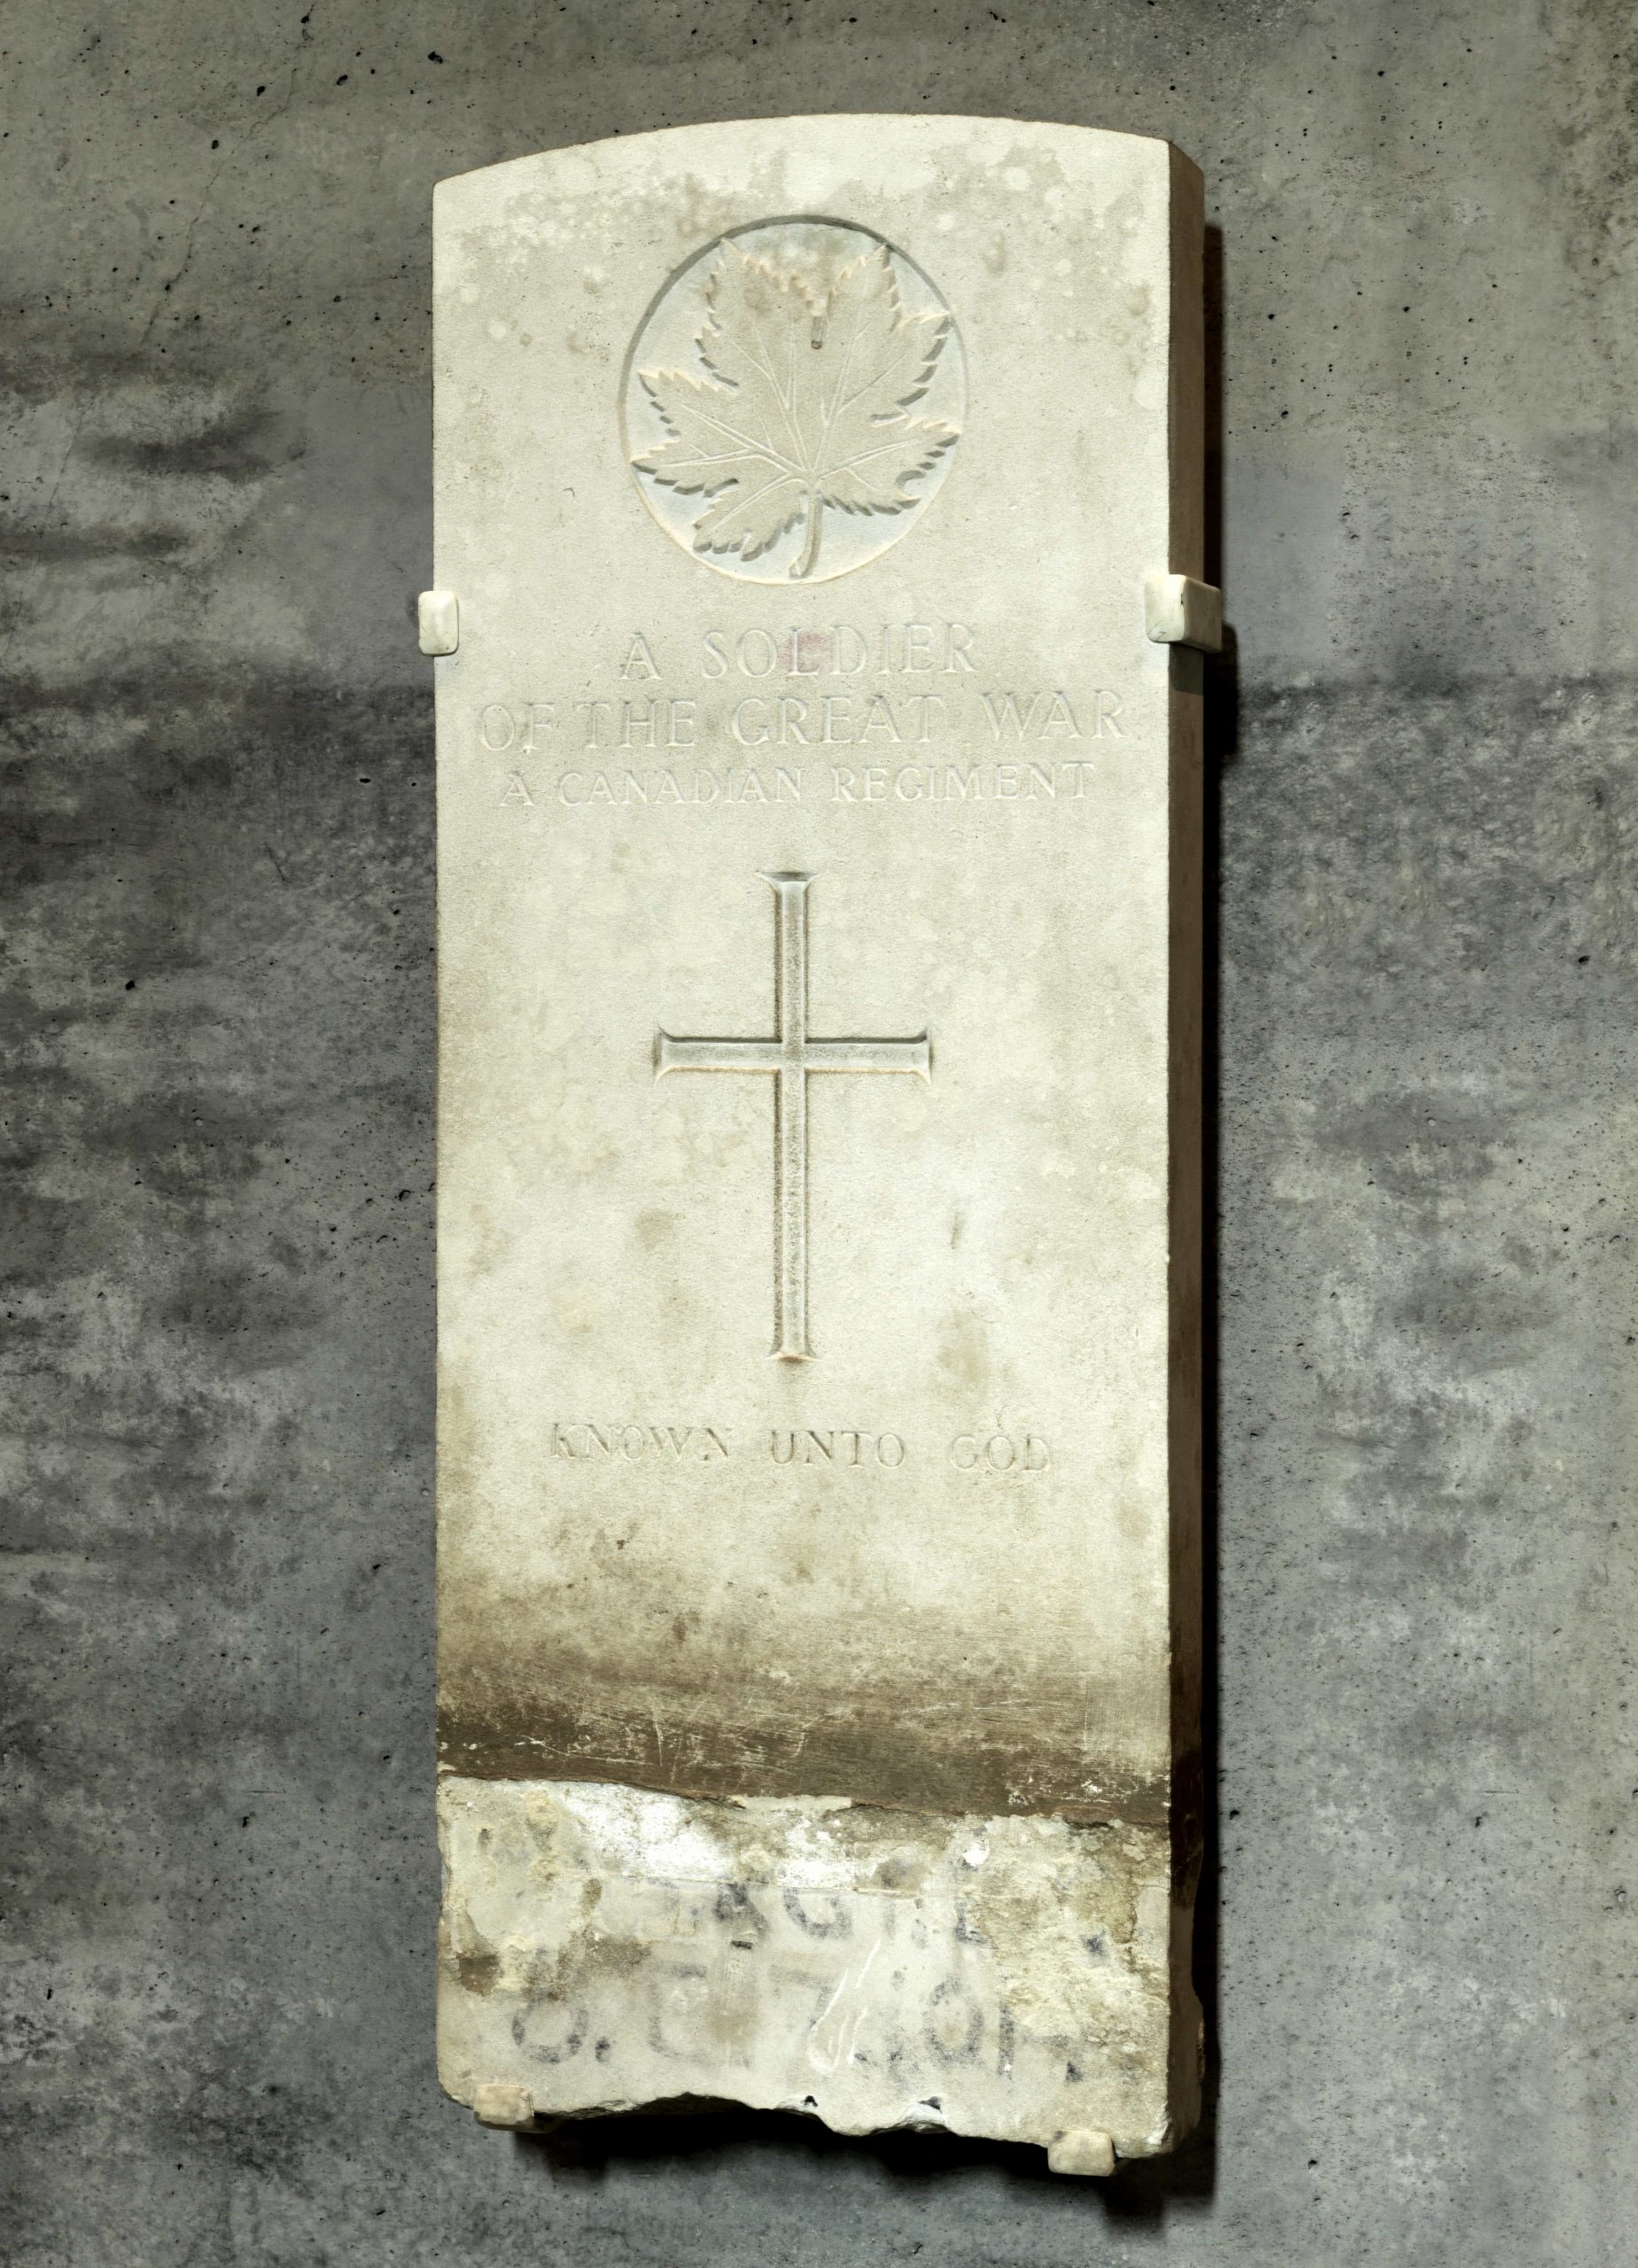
x,y
604,1948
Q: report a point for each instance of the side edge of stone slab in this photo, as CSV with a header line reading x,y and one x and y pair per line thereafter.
x,y
604,1947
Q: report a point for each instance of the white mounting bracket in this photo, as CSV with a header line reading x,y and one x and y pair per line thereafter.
x,y
1179,611
439,613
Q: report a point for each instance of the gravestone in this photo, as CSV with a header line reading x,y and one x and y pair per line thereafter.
x,y
818,522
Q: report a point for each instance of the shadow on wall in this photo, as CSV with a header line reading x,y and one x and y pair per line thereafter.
x,y
584,2150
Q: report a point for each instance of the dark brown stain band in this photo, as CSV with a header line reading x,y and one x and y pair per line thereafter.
x,y
970,1773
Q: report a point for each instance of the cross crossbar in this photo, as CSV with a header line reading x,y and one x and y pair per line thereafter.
x,y
788,1058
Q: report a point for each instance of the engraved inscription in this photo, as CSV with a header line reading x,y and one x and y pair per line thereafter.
x,y
805,729
795,387
987,1452
634,1443
728,784
960,783
841,650
1060,780
842,1445
789,1058
999,1453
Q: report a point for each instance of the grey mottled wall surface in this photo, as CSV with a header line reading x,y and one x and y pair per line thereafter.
x,y
219,1872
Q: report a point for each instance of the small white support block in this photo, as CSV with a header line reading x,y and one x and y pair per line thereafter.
x,y
496,2103
1083,2149
1179,611
439,614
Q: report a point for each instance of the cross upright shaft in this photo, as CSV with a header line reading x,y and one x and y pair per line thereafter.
x,y
789,1057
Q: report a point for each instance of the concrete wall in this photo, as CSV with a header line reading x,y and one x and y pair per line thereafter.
x,y
218,1254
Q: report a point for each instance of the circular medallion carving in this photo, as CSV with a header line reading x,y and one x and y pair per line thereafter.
x,y
793,400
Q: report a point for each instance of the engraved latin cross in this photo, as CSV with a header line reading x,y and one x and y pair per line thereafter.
x,y
789,1058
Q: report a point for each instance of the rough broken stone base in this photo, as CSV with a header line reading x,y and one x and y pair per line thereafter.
x,y
603,1948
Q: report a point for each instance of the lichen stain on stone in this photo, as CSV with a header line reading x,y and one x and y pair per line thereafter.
x,y
480,1972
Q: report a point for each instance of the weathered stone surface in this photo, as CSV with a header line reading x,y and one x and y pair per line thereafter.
x,y
819,1184
604,1946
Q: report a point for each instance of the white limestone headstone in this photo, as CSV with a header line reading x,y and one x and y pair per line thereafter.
x,y
818,878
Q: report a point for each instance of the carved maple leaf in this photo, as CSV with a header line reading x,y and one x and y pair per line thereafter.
x,y
804,406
